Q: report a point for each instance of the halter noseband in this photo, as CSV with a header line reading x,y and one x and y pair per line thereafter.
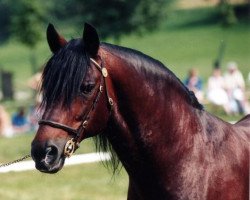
x,y
73,143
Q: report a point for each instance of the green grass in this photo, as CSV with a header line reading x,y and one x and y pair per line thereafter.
x,y
81,182
85,181
182,44
189,38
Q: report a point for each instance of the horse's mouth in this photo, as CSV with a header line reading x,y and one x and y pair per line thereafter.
x,y
51,168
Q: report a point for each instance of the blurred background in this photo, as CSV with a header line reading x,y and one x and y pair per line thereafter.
x,y
206,43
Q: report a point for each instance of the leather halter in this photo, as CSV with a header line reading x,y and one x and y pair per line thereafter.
x,y
73,143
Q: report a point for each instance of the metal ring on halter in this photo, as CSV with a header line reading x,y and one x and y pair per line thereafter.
x,y
101,88
104,72
84,124
69,148
111,102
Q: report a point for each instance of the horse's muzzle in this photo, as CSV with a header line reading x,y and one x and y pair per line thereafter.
x,y
48,157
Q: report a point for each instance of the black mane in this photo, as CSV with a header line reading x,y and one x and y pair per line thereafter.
x,y
64,73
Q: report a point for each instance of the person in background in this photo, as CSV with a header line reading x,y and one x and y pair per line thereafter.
x,y
194,83
216,92
5,123
19,121
35,83
34,111
235,87
33,117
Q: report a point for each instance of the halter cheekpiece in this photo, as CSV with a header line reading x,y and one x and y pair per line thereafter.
x,y
72,144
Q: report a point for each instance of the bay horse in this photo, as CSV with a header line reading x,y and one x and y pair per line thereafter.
x,y
169,145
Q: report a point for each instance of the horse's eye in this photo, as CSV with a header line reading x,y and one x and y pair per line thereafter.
x,y
87,89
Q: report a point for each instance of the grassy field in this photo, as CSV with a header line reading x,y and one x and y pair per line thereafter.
x,y
85,182
189,38
81,182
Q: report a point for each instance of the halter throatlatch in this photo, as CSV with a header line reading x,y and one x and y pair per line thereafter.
x,y
72,144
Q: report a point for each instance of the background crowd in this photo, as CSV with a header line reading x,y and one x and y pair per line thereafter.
x,y
22,121
227,90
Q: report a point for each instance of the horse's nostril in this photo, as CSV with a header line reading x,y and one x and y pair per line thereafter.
x,y
51,150
51,154
48,150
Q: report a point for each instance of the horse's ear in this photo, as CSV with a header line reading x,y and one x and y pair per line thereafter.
x,y
91,40
55,41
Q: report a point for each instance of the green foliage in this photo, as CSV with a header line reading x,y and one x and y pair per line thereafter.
x,y
149,14
4,20
26,21
115,18
227,13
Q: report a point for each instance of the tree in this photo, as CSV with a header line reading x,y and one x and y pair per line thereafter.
x,y
4,20
227,13
117,17
26,25
228,10
26,19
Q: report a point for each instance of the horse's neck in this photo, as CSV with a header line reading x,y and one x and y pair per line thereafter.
x,y
150,118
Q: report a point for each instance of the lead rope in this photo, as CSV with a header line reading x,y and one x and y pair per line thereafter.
x,y
15,161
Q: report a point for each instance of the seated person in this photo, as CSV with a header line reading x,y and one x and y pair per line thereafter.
x,y
194,83
216,92
5,123
19,121
235,87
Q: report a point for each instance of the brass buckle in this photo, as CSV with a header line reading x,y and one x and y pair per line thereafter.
x,y
101,88
111,102
84,124
69,148
104,72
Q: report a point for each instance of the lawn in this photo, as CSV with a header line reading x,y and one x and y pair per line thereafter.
x,y
81,182
189,38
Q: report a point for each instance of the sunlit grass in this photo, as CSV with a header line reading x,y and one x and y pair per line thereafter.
x,y
85,181
82,182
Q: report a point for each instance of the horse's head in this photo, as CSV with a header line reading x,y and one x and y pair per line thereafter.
x,y
75,98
